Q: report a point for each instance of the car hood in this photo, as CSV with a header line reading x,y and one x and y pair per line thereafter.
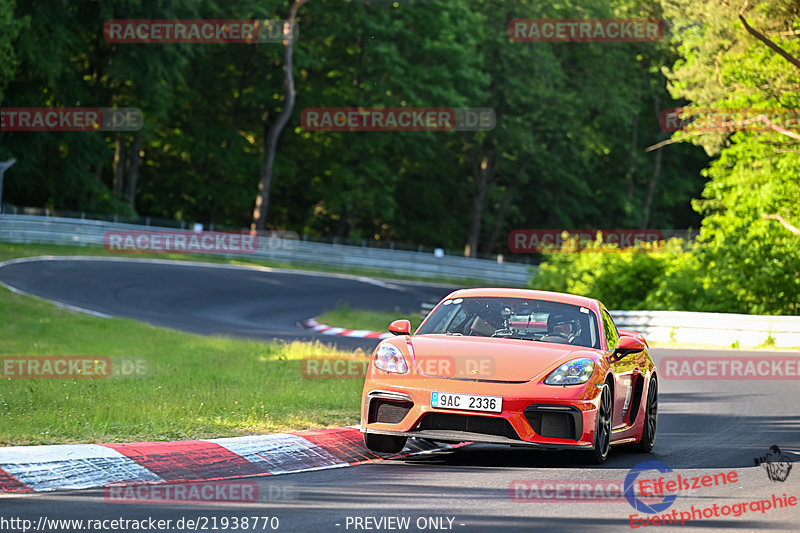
x,y
491,359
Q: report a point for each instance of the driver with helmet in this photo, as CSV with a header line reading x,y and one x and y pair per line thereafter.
x,y
562,327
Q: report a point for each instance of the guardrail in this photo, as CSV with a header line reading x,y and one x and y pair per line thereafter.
x,y
688,327
425,308
275,247
719,329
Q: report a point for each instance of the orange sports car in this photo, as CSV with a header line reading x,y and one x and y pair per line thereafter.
x,y
512,366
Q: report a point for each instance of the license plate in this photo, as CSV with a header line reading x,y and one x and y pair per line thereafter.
x,y
467,402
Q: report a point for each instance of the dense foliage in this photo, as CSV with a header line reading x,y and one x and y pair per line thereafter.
x,y
570,148
573,120
742,261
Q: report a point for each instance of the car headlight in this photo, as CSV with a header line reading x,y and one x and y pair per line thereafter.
x,y
389,359
572,372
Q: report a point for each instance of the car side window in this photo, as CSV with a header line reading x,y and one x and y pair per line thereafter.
x,y
610,330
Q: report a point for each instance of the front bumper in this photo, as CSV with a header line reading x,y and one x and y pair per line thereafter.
x,y
546,423
459,436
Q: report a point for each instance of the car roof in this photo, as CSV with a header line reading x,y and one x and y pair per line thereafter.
x,y
560,297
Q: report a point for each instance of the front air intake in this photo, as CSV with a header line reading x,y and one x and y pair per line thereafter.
x,y
388,411
485,425
555,421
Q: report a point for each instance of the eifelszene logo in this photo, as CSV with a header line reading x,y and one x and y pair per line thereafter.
x,y
636,502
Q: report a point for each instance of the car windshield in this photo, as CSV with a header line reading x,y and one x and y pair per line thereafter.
x,y
514,318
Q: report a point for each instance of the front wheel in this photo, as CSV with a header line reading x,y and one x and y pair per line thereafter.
x,y
645,444
384,443
602,429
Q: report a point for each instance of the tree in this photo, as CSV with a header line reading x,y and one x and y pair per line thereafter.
x,y
273,132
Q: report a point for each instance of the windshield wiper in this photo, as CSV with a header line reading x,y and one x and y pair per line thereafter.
x,y
528,339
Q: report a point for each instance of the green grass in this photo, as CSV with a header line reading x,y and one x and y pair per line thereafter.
x,y
197,387
9,250
344,317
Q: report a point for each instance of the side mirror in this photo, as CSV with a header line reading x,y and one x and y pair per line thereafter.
x,y
627,346
400,327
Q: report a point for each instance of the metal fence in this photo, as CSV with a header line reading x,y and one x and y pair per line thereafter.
x,y
385,244
277,247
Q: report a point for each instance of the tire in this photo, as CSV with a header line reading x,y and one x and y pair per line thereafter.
x,y
645,444
602,429
384,443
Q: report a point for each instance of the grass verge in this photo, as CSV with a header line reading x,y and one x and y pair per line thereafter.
x,y
344,317
195,386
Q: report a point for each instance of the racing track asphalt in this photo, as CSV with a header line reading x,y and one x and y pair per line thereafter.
x,y
705,427
214,299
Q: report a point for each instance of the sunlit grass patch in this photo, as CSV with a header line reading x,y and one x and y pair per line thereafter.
x,y
194,386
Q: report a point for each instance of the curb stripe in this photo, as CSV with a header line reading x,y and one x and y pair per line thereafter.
x,y
281,453
70,466
330,330
188,460
9,483
83,466
345,444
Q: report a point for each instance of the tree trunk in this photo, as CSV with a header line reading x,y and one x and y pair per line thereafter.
x,y
483,174
508,194
348,220
632,157
651,189
500,217
273,132
98,175
119,164
133,170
